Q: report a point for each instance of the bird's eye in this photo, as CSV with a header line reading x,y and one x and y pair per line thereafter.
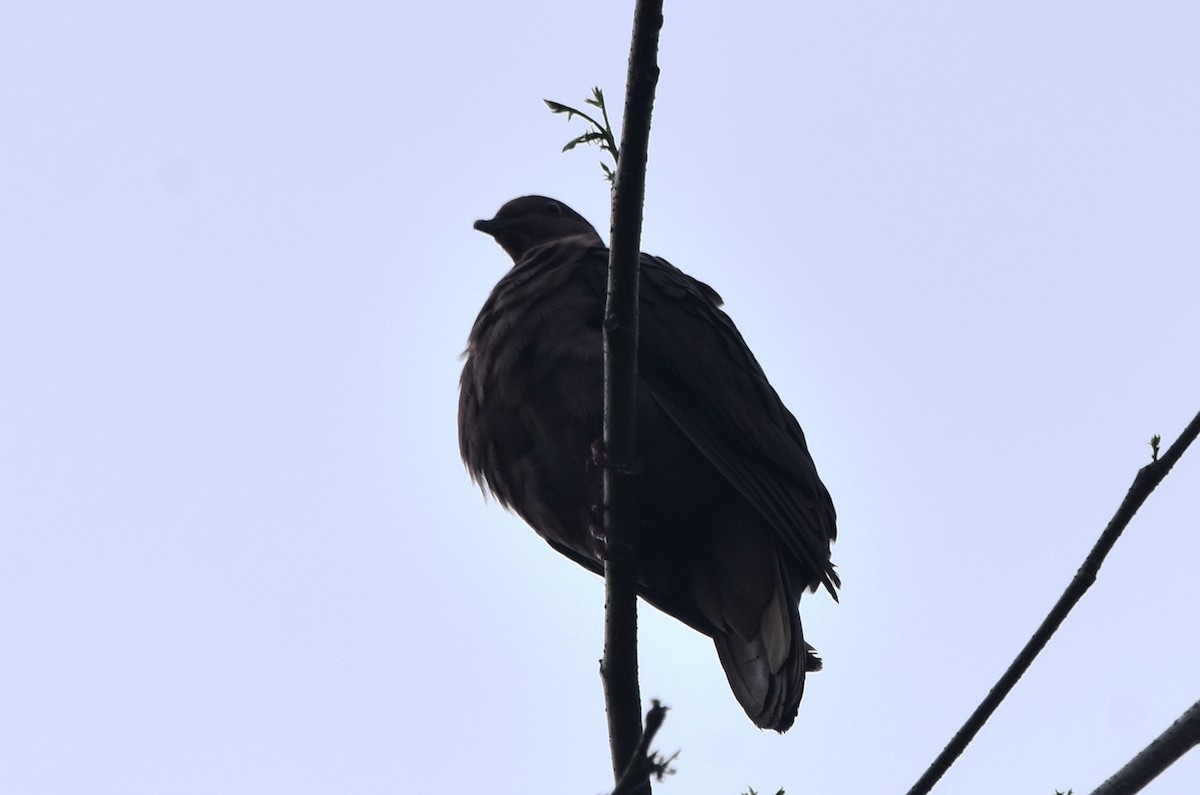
x,y
554,208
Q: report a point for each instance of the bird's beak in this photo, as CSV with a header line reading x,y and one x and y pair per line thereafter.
x,y
491,227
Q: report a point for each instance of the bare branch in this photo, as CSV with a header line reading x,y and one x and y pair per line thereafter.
x,y
1180,737
1146,480
622,695
645,764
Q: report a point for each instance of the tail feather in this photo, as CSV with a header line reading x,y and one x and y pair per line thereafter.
x,y
766,671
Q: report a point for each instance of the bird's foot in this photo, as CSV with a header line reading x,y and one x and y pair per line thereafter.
x,y
597,532
603,546
600,460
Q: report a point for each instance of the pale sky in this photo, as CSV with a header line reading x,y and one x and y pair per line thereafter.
x,y
238,550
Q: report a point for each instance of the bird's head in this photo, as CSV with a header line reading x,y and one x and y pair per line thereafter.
x,y
530,221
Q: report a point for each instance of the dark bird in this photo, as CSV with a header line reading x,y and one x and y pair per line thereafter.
x,y
732,523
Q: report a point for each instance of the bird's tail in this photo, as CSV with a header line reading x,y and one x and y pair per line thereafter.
x,y
766,671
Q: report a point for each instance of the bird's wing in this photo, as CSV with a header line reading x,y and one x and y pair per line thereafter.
x,y
695,364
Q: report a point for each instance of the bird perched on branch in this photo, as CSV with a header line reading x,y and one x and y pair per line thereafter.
x,y
731,521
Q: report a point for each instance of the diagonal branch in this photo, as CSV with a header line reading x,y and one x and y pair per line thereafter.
x,y
618,669
1146,480
1180,737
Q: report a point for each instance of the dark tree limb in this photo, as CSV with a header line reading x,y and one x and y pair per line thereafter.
x,y
618,669
1180,737
1146,480
643,764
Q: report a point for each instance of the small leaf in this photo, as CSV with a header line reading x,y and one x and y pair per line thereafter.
x,y
557,107
601,133
586,138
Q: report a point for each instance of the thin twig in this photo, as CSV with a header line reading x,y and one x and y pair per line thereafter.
x,y
622,696
600,134
1147,478
1180,737
643,764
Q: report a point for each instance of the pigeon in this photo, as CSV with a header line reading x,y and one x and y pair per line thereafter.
x,y
730,521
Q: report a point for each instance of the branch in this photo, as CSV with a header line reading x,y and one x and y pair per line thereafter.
x,y
1146,480
618,669
645,764
1182,736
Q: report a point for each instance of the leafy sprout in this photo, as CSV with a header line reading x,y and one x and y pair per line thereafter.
x,y
601,133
